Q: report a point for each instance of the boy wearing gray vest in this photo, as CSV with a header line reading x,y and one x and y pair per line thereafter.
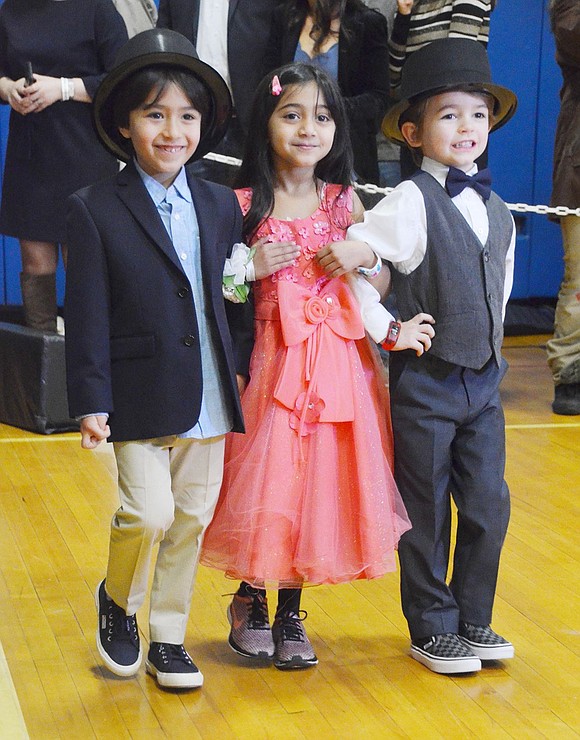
x,y
450,241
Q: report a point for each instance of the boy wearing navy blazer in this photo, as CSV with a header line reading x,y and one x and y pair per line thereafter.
x,y
154,355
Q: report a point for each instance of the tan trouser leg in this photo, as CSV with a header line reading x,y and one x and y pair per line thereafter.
x,y
564,348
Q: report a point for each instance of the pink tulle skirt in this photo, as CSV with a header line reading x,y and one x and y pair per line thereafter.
x,y
312,509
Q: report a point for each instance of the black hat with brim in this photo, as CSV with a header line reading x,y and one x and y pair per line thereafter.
x,y
442,66
152,48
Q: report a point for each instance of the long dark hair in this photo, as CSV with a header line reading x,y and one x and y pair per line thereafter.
x,y
323,13
257,170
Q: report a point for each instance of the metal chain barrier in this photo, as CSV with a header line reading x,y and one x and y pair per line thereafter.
x,y
376,190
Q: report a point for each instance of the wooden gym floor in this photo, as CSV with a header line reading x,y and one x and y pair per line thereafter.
x,y
55,505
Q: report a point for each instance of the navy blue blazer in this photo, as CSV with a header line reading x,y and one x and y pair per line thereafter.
x,y
249,24
132,346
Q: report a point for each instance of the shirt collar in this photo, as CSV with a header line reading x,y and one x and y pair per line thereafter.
x,y
158,192
439,171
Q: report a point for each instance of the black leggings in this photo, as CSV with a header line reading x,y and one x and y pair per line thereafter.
x,y
288,598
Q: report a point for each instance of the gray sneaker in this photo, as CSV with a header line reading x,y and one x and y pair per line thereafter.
x,y
484,642
250,633
445,654
293,648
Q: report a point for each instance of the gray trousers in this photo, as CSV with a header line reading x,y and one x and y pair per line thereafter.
x,y
448,427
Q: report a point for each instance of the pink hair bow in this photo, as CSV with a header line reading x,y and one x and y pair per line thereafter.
x,y
276,87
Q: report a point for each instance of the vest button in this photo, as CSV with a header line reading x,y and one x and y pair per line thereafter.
x,y
188,340
486,256
183,292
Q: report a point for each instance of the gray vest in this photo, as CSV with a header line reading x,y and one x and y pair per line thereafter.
x,y
460,281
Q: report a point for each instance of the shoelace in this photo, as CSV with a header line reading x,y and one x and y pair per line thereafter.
x,y
258,617
174,652
291,626
120,625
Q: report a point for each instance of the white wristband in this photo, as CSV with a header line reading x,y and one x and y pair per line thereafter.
x,y
67,88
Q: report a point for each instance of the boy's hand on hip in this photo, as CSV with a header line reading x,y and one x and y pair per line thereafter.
x,y
94,429
416,334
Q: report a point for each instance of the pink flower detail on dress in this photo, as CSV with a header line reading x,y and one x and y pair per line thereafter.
x,y
304,419
316,310
321,227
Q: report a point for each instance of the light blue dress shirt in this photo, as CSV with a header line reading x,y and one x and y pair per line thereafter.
x,y
176,208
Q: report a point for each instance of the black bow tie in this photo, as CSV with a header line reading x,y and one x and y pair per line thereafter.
x,y
457,180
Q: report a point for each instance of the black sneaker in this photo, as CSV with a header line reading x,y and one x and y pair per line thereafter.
x,y
567,399
484,642
445,654
250,633
172,666
117,636
293,648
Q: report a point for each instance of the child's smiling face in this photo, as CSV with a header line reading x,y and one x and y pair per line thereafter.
x,y
301,129
165,133
453,130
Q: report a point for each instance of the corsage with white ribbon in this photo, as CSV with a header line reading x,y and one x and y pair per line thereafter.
x,y
238,273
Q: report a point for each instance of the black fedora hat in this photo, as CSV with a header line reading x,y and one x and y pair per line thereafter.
x,y
160,47
443,65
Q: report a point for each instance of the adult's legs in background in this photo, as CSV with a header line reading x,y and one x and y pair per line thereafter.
x,y
564,348
38,283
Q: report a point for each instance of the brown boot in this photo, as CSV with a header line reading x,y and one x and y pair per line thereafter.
x,y
39,301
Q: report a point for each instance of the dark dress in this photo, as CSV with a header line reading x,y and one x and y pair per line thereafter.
x,y
55,152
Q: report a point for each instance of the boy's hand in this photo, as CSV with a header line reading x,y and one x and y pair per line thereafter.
x,y
273,256
338,258
94,429
404,7
416,334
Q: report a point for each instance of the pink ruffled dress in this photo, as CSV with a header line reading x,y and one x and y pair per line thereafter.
x,y
308,495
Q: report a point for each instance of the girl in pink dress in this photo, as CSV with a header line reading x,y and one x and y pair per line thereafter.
x,y
308,495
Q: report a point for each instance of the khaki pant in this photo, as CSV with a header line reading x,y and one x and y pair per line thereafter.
x,y
168,489
564,348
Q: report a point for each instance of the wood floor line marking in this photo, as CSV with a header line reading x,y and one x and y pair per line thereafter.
x,y
12,723
75,437
47,438
573,425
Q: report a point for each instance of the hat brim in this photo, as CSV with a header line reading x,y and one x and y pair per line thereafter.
x,y
506,105
213,129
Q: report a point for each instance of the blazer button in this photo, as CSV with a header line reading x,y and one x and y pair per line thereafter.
x,y
183,292
188,340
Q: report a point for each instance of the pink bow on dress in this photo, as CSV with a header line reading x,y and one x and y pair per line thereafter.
x,y
315,381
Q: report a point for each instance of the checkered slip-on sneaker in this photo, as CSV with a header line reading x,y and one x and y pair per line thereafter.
x,y
484,642
293,648
445,654
250,633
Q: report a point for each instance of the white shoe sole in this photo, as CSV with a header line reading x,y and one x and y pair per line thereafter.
x,y
446,665
489,652
175,680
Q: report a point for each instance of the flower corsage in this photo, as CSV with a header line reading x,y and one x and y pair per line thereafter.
x,y
238,273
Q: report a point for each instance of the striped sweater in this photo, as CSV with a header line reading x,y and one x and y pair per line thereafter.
x,y
435,19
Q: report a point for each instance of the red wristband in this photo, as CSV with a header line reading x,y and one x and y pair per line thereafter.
x,y
392,336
